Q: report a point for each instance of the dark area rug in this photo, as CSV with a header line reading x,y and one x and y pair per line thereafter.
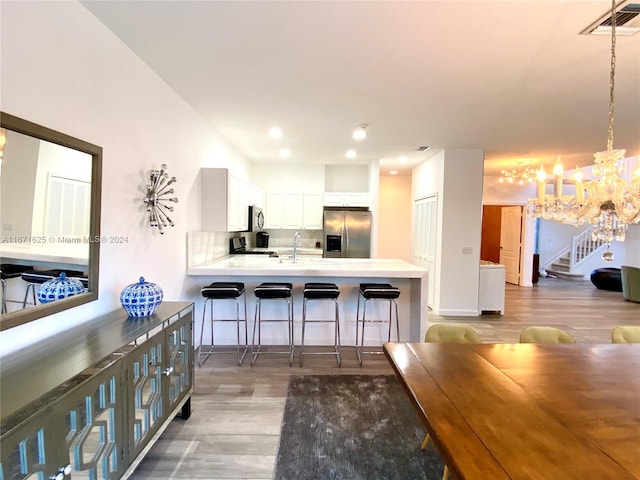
x,y
352,427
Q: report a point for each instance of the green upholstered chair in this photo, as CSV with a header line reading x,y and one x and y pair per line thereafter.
x,y
630,283
448,333
545,335
626,334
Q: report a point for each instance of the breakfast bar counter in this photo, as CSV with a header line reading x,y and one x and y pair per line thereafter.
x,y
347,273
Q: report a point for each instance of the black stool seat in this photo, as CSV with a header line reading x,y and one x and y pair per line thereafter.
x,y
321,290
379,291
41,276
221,290
273,290
10,270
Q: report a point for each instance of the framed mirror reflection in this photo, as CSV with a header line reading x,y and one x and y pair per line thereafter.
x,y
50,191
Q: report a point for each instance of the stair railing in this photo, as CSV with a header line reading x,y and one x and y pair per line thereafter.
x,y
582,246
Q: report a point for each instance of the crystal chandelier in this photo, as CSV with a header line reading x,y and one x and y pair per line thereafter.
x,y
609,202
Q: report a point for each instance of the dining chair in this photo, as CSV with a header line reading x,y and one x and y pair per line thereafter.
x,y
545,335
448,333
625,334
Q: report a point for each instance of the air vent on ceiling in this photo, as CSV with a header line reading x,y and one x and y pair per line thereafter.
x,y
422,149
627,21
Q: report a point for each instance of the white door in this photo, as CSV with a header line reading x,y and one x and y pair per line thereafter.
x,y
511,243
425,241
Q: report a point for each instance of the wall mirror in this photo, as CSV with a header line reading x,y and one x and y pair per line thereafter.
x,y
50,187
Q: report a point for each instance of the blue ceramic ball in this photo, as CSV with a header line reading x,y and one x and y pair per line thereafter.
x,y
141,299
59,288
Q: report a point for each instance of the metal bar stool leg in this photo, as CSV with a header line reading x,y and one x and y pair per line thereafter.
x,y
304,316
200,353
4,296
337,334
256,323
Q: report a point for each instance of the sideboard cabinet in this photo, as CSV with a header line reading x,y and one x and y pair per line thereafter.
x,y
118,381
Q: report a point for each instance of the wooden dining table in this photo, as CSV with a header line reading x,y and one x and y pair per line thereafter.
x,y
527,411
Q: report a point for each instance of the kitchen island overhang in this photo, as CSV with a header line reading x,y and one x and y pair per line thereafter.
x,y
347,273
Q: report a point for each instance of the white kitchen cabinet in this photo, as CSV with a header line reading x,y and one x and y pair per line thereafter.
x,y
313,211
274,210
346,199
256,196
225,201
293,210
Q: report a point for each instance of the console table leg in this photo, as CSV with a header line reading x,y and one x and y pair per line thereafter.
x,y
186,410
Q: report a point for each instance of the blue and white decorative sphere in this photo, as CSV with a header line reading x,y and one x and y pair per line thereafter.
x,y
141,299
59,288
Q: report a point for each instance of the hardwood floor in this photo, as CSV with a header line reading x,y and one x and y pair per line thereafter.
x,y
233,432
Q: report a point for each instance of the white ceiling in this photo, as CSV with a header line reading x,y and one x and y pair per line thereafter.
x,y
512,77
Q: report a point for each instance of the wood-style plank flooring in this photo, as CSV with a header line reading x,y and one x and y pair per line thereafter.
x,y
233,432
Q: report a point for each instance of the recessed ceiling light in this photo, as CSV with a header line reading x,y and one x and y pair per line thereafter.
x,y
393,172
403,159
360,133
275,132
284,153
350,154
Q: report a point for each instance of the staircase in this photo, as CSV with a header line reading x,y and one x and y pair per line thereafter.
x,y
566,264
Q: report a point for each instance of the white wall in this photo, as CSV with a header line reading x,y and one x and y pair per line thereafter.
x,y
455,175
279,177
63,69
395,218
347,178
18,182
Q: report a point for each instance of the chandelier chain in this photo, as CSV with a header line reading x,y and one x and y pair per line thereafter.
x,y
612,74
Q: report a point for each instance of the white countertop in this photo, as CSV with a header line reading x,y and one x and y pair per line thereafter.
x,y
262,265
63,253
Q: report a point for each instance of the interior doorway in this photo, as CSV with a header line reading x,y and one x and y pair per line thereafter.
x,y
511,243
502,239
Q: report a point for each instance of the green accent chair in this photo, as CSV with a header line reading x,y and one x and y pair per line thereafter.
x,y
626,334
545,335
448,333
630,283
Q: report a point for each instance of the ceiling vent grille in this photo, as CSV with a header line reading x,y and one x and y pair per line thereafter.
x,y
627,21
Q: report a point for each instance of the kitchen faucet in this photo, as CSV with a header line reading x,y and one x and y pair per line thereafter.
x,y
296,242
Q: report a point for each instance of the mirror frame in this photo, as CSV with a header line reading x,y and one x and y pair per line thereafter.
x,y
20,317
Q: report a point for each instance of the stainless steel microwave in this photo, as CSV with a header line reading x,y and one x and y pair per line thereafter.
x,y
256,219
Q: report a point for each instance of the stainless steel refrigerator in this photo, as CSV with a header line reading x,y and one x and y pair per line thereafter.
x,y
347,233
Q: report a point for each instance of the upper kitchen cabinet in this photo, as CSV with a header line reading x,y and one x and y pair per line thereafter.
x,y
346,199
313,211
293,210
225,200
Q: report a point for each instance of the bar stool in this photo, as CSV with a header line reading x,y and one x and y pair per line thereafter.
x,y
376,292
272,291
224,291
8,271
321,291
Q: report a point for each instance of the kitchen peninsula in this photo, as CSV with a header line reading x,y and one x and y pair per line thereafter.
x,y
347,273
